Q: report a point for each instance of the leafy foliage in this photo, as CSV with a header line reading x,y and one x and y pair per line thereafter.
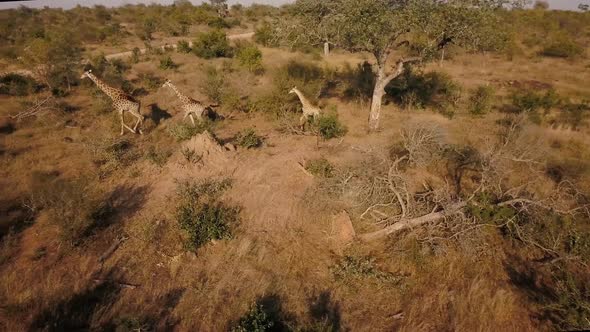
x,y
255,320
201,215
433,89
17,85
250,57
481,100
183,131
248,139
212,44
328,126
320,167
562,47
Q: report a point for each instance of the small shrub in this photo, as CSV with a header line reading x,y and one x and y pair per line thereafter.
x,y
328,126
562,47
201,215
213,84
135,55
150,81
320,167
184,131
212,44
531,101
191,156
158,158
481,100
574,115
248,139
75,206
255,320
167,63
183,47
250,57
353,267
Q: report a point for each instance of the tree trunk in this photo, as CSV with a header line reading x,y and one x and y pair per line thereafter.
x,y
410,223
374,115
326,49
381,82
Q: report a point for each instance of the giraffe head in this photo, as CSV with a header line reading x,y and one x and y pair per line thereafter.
x,y
86,74
167,83
294,90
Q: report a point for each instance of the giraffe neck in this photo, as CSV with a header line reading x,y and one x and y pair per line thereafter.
x,y
109,91
303,100
183,98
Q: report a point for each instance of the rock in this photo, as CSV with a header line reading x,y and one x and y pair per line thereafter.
x,y
230,147
342,232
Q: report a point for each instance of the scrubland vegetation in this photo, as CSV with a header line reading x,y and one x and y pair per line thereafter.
x,y
457,201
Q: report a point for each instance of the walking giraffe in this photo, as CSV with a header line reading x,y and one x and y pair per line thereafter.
x,y
309,110
122,102
189,105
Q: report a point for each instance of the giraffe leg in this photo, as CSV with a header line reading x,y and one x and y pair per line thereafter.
x,y
302,121
123,125
193,120
139,121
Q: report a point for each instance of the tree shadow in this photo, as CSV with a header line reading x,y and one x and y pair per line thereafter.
x,y
324,313
123,202
157,114
155,317
273,306
79,311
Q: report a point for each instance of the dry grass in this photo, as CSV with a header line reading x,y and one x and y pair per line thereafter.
x,y
280,255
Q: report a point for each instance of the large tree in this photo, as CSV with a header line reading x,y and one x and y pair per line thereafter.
x,y
386,28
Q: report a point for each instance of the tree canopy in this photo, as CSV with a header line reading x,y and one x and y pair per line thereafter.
x,y
416,28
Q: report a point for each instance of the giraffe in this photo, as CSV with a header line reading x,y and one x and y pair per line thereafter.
x,y
122,102
190,106
309,110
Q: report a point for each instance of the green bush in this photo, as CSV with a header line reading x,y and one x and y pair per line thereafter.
x,y
75,206
213,84
250,57
531,101
574,115
201,215
158,157
185,131
320,167
183,47
562,47
481,100
248,139
255,320
150,81
264,35
310,79
212,44
167,63
17,85
329,126
433,89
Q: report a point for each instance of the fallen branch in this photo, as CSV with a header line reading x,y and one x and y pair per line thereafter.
x,y
302,168
112,249
120,284
34,110
410,223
